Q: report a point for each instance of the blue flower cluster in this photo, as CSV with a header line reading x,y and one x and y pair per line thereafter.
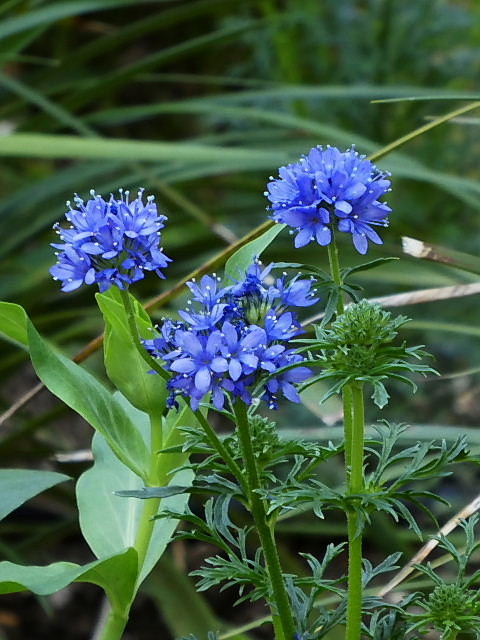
x,y
109,242
326,187
232,336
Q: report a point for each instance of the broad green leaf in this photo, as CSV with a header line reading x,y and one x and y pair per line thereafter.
x,y
13,323
243,258
115,574
19,485
120,517
125,367
88,397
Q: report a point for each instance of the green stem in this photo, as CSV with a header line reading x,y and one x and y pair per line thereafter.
x,y
117,620
221,450
132,324
335,271
347,391
115,625
355,486
281,611
155,479
354,429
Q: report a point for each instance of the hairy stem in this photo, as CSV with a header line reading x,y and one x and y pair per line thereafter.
x,y
281,609
355,486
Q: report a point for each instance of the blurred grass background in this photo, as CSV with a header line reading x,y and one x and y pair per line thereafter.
x,y
200,101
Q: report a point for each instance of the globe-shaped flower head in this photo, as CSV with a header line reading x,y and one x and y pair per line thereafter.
x,y
109,242
329,188
234,341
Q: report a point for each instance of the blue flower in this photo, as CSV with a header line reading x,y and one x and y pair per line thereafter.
x,y
234,337
327,188
199,358
240,347
208,291
297,292
109,242
285,382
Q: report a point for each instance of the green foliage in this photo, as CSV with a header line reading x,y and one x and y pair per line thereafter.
x,y
115,574
19,485
389,483
77,68
237,264
88,397
451,607
356,346
96,494
13,323
125,367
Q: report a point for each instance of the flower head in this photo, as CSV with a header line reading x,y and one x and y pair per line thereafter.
x,y
109,242
235,337
330,188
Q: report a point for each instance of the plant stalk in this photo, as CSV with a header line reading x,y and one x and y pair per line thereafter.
x,y
117,620
281,611
155,479
356,483
354,430
221,449
335,271
115,625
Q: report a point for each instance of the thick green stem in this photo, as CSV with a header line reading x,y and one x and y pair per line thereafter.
x,y
117,620
355,486
115,625
354,428
281,611
150,510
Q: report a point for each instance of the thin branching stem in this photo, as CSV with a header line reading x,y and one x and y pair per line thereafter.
x,y
281,609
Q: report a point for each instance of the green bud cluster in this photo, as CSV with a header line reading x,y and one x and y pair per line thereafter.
x,y
449,602
265,439
358,347
358,336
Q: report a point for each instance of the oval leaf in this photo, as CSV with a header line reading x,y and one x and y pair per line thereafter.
x,y
19,485
125,367
88,397
110,522
240,261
